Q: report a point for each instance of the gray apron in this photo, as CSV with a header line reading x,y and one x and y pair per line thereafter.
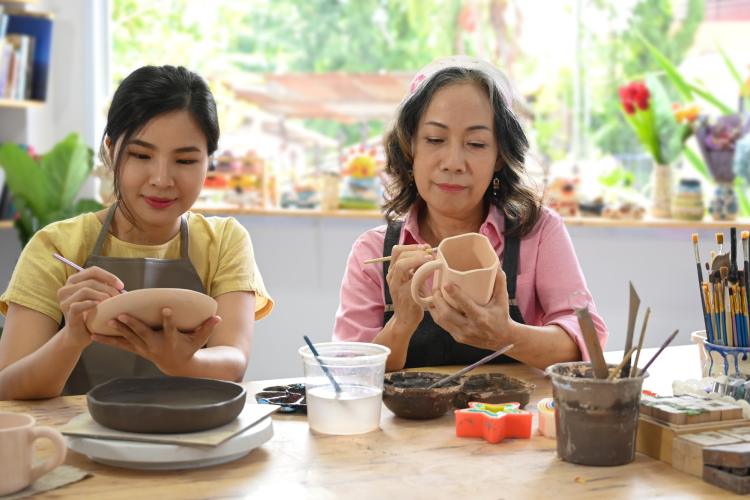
x,y
100,363
431,345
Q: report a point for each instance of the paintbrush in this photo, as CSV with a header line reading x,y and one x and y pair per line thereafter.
x,y
74,266
746,268
724,271
635,302
700,279
492,356
640,343
620,367
720,261
720,298
733,255
594,348
712,303
385,259
314,351
664,346
709,320
720,241
735,333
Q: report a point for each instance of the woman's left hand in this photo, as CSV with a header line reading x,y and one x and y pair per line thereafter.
x,y
170,349
486,327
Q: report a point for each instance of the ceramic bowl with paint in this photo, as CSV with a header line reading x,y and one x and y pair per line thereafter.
x,y
408,394
494,388
358,368
596,419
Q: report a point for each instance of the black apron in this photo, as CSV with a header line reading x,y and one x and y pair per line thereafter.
x,y
431,345
100,363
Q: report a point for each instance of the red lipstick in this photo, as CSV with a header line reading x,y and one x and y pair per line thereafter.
x,y
160,203
451,188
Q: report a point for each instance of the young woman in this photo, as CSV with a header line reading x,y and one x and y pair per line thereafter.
x,y
455,155
161,130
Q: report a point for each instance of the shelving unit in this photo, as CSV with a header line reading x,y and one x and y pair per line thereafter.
x,y
13,103
27,2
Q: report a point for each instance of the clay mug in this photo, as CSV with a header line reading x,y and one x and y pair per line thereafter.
x,y
17,437
467,261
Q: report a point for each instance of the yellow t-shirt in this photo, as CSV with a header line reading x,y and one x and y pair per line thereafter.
x,y
220,249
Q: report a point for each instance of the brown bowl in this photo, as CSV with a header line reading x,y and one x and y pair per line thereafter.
x,y
494,388
165,405
407,395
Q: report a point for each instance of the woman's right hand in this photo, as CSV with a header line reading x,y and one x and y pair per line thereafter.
x,y
405,260
83,292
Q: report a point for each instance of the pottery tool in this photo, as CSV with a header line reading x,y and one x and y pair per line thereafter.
x,y
324,367
720,241
635,302
546,415
385,259
634,369
664,346
594,348
700,279
622,364
74,266
482,361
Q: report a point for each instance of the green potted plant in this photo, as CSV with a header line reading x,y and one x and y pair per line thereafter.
x,y
44,188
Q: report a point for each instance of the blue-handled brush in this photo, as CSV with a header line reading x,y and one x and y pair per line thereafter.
x,y
325,368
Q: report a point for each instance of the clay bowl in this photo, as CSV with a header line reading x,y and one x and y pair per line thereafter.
x,y
407,395
494,388
191,309
165,405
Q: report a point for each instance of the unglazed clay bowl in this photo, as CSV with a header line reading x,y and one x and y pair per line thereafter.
x,y
165,405
407,394
494,388
191,309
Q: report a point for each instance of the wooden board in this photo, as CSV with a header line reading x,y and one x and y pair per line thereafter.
x,y
687,450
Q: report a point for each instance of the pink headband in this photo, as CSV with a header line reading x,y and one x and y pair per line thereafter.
x,y
501,80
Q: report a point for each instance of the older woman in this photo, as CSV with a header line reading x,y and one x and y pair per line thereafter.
x,y
455,155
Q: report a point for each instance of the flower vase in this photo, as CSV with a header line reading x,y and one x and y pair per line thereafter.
x,y
724,203
661,202
687,203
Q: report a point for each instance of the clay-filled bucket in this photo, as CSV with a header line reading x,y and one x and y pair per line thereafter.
x,y
596,420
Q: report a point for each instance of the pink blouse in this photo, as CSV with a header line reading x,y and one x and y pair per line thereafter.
x,y
548,273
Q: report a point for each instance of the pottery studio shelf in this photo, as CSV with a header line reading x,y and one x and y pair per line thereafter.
x,y
569,221
14,103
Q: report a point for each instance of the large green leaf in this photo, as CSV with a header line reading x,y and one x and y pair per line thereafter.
x,y
736,75
24,177
726,110
698,164
682,86
66,167
667,129
744,205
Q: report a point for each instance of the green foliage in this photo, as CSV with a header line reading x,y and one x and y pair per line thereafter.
x,y
43,191
618,178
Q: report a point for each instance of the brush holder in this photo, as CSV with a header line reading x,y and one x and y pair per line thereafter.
x,y
722,360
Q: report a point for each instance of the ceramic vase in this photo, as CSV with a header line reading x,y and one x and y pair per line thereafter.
x,y
661,203
687,203
724,204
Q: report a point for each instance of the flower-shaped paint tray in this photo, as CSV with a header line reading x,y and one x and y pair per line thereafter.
x,y
493,422
290,398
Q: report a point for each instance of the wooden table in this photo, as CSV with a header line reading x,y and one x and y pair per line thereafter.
x,y
406,458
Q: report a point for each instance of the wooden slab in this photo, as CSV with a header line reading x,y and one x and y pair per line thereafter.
x,y
739,485
687,450
735,456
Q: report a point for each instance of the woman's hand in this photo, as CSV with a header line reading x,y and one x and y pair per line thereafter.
x,y
486,327
405,259
82,292
170,349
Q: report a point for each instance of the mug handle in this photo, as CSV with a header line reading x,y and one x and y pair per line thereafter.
x,y
420,277
61,450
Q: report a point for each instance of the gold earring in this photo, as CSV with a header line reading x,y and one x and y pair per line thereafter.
x,y
495,186
411,176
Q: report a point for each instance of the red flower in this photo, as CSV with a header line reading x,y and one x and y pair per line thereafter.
x,y
632,95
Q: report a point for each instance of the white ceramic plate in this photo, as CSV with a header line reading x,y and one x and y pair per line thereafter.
x,y
157,456
191,309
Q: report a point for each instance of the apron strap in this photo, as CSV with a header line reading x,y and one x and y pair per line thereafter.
x,y
105,229
184,238
510,261
392,235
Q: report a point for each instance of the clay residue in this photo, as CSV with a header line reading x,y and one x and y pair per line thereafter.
x,y
398,380
482,383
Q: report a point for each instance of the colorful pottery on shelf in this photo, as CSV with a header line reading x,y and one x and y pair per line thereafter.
x,y
661,206
724,204
687,203
547,418
493,422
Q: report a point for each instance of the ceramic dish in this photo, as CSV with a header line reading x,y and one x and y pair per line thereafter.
x,y
191,309
494,388
159,456
407,394
165,405
289,398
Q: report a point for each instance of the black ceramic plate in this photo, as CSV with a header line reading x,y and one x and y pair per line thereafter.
x,y
290,398
165,405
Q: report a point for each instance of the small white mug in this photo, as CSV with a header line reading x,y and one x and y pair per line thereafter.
x,y
17,437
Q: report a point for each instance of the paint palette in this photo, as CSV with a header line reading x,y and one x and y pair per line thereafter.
x,y
493,422
289,398
689,409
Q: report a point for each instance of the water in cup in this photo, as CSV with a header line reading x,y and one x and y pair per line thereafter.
x,y
355,410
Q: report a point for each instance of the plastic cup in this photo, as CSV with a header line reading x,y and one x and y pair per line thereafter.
x,y
359,369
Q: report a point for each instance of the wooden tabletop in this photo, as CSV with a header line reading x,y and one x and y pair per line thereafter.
x,y
419,459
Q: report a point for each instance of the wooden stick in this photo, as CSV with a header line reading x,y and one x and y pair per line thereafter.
x,y
384,259
621,365
592,342
664,346
634,369
632,313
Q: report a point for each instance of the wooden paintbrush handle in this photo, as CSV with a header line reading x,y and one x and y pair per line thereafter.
x,y
592,342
